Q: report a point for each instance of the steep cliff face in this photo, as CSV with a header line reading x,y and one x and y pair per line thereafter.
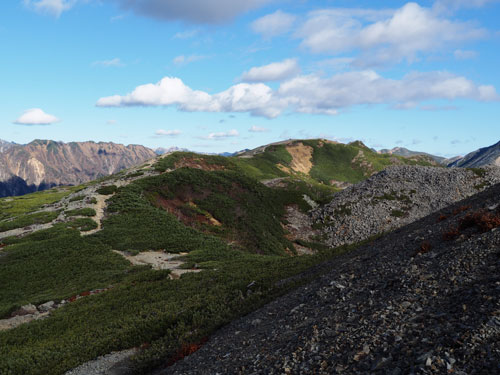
x,y
41,163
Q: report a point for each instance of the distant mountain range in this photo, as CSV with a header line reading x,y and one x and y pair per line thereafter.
x,y
4,145
163,150
479,158
401,151
42,164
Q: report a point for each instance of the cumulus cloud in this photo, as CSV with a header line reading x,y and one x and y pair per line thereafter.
x,y
168,133
35,116
192,11
397,35
273,24
108,63
171,91
276,71
308,93
257,129
222,135
52,7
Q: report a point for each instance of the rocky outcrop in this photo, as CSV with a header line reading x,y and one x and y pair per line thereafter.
x,y
479,158
42,164
393,306
395,197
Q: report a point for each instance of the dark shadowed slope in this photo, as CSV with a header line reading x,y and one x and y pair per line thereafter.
x,y
423,299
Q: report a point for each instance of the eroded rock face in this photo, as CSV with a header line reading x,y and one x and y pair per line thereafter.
x,y
395,197
42,164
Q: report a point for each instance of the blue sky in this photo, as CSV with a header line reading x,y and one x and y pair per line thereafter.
x,y
223,75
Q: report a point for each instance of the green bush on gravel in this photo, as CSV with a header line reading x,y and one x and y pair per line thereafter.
x,y
27,220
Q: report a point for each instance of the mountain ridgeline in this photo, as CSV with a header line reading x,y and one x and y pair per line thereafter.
x,y
42,164
131,273
479,158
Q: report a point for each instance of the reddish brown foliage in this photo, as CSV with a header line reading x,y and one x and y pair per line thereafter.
x,y
483,221
460,209
425,247
441,218
451,234
186,350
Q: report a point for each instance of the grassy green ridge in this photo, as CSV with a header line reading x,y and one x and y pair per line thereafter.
x,y
250,213
16,206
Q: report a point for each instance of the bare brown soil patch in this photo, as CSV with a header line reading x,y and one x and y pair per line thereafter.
x,y
186,211
301,157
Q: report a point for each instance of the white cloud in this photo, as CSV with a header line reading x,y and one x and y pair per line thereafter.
x,y
183,60
171,91
222,135
464,55
111,122
108,63
168,133
313,94
35,116
193,11
276,71
308,94
52,7
257,129
274,24
397,35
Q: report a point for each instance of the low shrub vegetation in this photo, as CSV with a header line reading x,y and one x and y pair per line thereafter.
x,y
87,211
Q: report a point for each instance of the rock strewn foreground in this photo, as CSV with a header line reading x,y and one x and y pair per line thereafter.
x,y
395,197
409,303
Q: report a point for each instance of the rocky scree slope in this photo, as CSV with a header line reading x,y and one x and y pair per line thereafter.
x,y
395,197
42,164
483,156
421,300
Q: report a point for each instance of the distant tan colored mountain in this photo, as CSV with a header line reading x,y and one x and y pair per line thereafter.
x,y
42,164
479,158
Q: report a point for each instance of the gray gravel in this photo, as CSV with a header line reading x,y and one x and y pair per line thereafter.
x,y
395,197
116,363
385,308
